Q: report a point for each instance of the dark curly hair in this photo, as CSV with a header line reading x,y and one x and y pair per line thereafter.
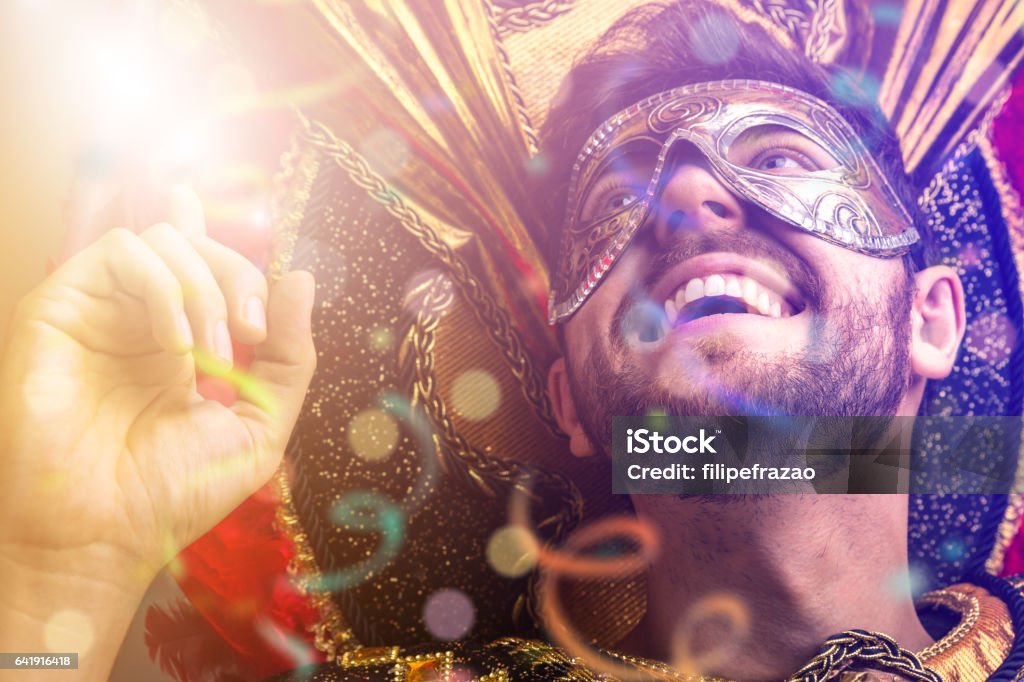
x,y
657,47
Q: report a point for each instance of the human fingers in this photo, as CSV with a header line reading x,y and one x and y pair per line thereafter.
x,y
283,366
120,261
244,287
204,302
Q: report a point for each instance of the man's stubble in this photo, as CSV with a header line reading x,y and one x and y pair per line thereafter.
x,y
857,363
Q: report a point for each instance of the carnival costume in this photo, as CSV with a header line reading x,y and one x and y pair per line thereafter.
x,y
427,431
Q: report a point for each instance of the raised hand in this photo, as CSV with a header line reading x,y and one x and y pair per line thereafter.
x,y
108,455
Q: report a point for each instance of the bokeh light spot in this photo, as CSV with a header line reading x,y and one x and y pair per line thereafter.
x,y
970,257
475,394
991,337
462,674
448,614
855,90
386,152
512,551
373,434
713,39
913,579
381,339
538,164
953,548
887,13
69,630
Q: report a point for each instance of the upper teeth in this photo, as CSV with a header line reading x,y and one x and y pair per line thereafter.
x,y
759,298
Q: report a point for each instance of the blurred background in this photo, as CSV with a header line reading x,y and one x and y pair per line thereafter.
x,y
37,127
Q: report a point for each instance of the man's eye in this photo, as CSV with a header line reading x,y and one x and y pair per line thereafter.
x,y
785,162
620,200
609,196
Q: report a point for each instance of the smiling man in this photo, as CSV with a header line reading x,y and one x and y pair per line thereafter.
x,y
739,241
732,239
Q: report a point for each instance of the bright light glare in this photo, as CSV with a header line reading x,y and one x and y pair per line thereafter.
x,y
122,82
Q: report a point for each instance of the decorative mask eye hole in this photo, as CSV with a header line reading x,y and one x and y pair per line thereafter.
x,y
619,183
779,150
620,200
784,161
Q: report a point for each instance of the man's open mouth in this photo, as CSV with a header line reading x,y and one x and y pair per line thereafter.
x,y
714,287
724,294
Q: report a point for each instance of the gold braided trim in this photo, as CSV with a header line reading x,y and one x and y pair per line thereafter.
x,y
526,127
857,647
975,647
293,183
979,643
329,634
481,467
777,19
485,308
966,605
827,33
522,18
299,168
839,652
965,147
1013,216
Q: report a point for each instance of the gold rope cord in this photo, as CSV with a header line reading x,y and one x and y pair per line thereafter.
x,y
480,467
448,56
330,634
513,18
526,127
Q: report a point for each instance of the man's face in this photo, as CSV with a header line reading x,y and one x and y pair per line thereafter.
x,y
717,308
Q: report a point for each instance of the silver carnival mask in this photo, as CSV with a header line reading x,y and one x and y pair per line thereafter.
x,y
785,151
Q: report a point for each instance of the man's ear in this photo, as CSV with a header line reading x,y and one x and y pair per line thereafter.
x,y
938,321
565,410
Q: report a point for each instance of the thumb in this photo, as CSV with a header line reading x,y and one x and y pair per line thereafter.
x,y
271,394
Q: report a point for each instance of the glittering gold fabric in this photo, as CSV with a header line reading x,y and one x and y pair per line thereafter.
x,y
397,335
974,647
978,643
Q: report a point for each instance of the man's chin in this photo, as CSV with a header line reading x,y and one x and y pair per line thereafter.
x,y
726,382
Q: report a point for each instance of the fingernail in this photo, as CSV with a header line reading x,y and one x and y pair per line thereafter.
x,y
222,341
254,313
185,330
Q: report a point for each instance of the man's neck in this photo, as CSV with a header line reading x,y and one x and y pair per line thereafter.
x,y
790,570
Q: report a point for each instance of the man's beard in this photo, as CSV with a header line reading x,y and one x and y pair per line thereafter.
x,y
856,364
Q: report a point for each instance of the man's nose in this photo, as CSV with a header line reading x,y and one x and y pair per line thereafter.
x,y
694,201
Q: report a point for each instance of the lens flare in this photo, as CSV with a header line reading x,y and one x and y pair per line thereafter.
x,y
476,395
373,435
448,615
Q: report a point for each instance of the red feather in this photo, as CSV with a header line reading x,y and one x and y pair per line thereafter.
x,y
185,647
